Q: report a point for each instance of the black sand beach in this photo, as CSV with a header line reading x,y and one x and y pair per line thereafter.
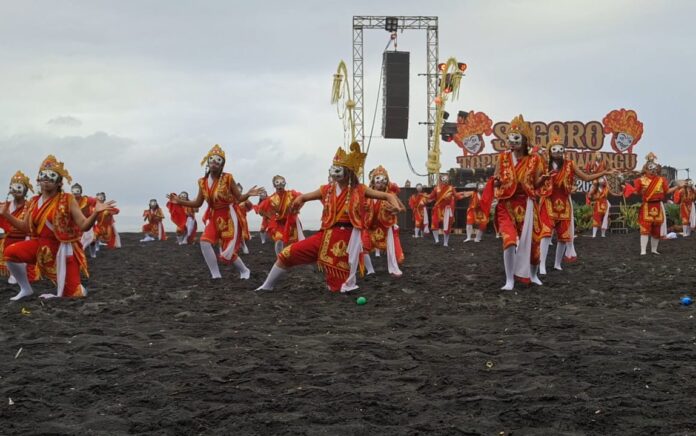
x,y
603,347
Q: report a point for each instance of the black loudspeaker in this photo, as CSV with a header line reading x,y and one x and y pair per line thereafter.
x,y
395,94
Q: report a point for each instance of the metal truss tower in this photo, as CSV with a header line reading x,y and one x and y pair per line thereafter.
x,y
429,24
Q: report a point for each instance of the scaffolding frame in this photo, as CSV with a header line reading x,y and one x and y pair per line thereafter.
x,y
427,23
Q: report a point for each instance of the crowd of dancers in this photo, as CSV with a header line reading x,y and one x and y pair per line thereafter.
x,y
48,235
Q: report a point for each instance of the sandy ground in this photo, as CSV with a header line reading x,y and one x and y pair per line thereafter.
x,y
603,347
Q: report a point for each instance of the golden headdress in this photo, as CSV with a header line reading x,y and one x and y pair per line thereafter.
x,y
52,164
215,151
519,125
651,158
20,177
379,171
476,123
354,160
626,121
554,139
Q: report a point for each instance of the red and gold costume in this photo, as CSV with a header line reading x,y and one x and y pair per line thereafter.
x,y
221,221
86,204
379,221
517,186
105,229
600,206
55,239
595,164
516,214
13,234
651,215
180,216
154,227
555,208
417,202
336,247
685,197
242,209
444,197
282,224
265,220
475,214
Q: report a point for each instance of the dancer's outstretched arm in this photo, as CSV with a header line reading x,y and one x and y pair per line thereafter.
x,y
197,202
300,200
86,223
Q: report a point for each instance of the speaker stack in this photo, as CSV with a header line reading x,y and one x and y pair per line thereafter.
x,y
395,100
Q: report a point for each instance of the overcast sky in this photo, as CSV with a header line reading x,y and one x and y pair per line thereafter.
x,y
132,94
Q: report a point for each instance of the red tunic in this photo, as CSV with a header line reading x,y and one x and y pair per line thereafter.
x,y
51,225
685,198
555,210
104,230
12,236
342,213
417,204
516,187
154,226
444,197
475,215
651,215
282,224
221,227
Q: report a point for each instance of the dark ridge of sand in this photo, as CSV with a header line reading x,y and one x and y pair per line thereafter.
x,y
603,347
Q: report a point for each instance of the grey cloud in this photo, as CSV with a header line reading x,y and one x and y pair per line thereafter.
x,y
64,121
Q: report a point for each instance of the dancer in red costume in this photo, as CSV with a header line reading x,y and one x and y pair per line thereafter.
x,y
55,222
105,232
651,216
242,208
685,197
598,196
556,205
444,197
86,204
265,220
219,190
476,216
517,177
154,228
418,204
381,229
19,187
184,218
284,226
337,247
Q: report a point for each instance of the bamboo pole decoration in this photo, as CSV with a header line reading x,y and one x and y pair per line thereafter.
x,y
341,92
447,89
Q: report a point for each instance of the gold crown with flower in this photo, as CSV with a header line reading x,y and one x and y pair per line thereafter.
x,y
651,158
354,160
379,171
52,164
20,177
554,139
215,151
519,125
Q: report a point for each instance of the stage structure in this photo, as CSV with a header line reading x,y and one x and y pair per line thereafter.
x,y
395,23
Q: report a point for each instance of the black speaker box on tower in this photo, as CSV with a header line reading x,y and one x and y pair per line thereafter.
x,y
395,100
